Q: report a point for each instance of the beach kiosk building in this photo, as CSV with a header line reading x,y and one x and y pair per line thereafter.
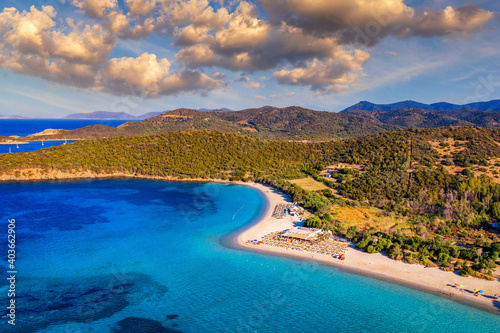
x,y
302,233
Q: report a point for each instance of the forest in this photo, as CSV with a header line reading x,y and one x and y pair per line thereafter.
x,y
441,183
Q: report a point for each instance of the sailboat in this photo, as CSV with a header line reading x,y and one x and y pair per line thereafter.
x,y
17,145
10,151
42,142
65,141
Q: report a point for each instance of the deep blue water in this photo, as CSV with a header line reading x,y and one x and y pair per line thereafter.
x,y
31,146
147,256
23,127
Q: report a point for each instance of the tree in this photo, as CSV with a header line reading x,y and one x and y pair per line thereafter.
x,y
351,232
495,210
467,172
313,222
443,258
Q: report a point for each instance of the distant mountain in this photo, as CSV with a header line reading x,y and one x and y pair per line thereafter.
x,y
13,116
422,118
493,105
221,109
291,123
102,115
107,115
150,115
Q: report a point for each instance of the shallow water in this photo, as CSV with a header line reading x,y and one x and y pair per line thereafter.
x,y
146,256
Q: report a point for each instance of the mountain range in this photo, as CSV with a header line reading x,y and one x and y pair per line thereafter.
x,y
493,105
107,115
291,123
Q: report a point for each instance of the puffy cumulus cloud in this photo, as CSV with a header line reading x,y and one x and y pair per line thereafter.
x,y
219,76
197,56
84,44
31,45
368,21
141,7
242,78
253,85
143,73
77,54
305,42
95,8
27,31
324,76
62,71
285,45
191,35
32,33
454,21
197,12
244,30
147,75
126,28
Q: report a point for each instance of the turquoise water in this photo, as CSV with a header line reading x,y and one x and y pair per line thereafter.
x,y
147,256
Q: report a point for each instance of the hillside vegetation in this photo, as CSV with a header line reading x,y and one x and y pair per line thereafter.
x,y
422,118
292,123
424,213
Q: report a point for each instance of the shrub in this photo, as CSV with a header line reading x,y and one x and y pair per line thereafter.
x,y
467,271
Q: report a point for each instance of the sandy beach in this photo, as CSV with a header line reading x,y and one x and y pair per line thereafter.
x,y
379,266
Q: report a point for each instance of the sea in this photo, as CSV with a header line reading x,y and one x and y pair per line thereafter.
x,y
129,255
24,127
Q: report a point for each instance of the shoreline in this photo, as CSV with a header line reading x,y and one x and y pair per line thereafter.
x,y
378,266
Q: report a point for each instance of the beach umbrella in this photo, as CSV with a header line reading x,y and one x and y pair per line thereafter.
x,y
481,291
476,290
460,286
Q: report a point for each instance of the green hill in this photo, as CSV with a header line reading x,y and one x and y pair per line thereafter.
x,y
432,183
422,118
292,123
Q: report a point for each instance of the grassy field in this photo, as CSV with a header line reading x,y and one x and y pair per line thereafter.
x,y
365,218
309,184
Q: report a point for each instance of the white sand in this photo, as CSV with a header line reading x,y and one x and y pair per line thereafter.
x,y
375,265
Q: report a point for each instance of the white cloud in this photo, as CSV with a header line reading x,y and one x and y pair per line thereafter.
x,y
141,7
309,43
95,8
147,75
253,85
331,75
369,21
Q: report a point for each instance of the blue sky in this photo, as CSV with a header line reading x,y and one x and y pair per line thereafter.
x,y
137,56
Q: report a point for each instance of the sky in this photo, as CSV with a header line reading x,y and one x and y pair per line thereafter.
x,y
59,57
